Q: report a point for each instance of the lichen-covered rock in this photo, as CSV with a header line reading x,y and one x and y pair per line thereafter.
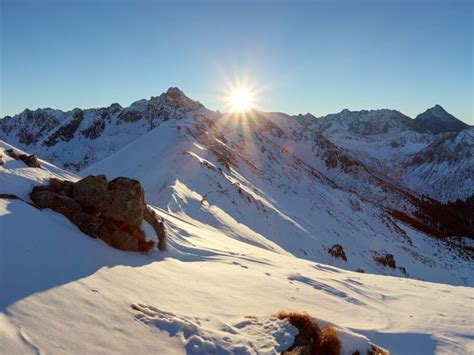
x,y
113,211
126,201
62,187
92,192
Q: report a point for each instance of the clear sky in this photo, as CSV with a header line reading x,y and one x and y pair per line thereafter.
x,y
307,56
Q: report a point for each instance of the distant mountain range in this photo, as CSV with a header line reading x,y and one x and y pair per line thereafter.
x,y
408,148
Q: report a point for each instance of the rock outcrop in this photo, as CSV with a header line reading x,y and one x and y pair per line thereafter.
x,y
385,259
337,251
112,211
29,160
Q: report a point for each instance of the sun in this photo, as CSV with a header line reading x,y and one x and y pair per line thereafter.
x,y
241,96
241,100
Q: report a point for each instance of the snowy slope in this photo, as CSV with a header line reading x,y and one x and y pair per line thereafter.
x,y
256,178
18,179
444,169
213,291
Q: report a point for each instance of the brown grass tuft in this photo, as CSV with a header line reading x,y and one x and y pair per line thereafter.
x,y
310,337
308,329
329,342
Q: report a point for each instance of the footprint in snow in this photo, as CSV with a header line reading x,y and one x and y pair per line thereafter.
x,y
265,335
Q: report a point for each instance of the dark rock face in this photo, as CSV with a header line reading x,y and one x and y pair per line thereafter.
x,y
67,132
95,130
131,116
385,259
112,211
337,251
436,120
29,160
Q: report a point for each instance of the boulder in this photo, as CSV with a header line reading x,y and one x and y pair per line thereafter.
x,y
62,187
12,154
124,237
29,160
112,211
126,201
92,192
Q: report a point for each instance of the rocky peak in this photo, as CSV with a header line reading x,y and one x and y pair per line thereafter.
x,y
437,120
175,98
439,111
366,122
115,107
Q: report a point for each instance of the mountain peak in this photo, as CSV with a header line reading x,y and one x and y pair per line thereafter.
x,y
174,91
437,120
439,111
176,98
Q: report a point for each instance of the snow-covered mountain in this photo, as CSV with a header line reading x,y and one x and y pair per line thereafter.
x,y
409,151
78,138
303,184
385,140
436,120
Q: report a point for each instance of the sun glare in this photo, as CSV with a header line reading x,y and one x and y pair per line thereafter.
x,y
240,96
241,100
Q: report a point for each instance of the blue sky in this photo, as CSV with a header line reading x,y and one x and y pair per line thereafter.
x,y
307,56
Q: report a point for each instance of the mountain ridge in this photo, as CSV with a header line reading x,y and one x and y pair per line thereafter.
x,y
437,110
388,138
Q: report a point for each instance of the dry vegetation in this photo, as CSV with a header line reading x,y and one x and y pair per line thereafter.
x,y
311,340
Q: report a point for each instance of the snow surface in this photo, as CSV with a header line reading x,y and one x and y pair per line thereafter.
x,y
68,293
